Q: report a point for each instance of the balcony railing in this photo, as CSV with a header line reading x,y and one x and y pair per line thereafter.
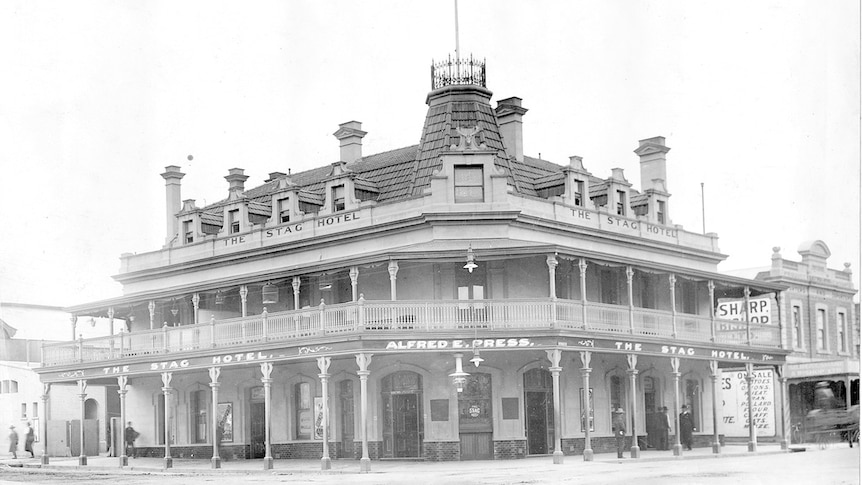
x,y
369,317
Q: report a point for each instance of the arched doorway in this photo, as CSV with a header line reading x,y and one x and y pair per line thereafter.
x,y
91,409
539,411
401,395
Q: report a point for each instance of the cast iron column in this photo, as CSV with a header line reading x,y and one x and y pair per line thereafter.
x,y
785,440
752,429
363,361
554,356
82,393
243,298
166,380
46,388
214,385
714,374
633,382
323,365
582,267
266,370
585,373
122,381
674,364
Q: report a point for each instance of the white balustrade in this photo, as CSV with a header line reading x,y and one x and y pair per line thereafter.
x,y
407,316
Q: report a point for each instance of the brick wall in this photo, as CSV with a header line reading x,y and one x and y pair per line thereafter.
x,y
374,448
509,449
441,450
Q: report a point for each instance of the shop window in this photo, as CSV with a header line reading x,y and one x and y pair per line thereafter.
x,y
233,218
338,198
304,422
198,407
821,329
798,333
284,210
842,332
469,184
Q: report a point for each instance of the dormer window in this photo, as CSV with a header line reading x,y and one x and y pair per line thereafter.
x,y
284,210
233,220
188,233
469,183
621,203
578,192
338,198
660,211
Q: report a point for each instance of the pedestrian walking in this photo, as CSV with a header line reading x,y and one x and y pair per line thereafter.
x,y
618,425
29,438
13,442
686,426
663,423
131,436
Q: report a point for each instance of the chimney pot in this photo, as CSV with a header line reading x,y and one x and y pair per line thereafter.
x,y
350,136
173,200
236,180
275,176
653,161
510,115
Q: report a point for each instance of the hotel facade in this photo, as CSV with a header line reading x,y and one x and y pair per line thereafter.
x,y
449,300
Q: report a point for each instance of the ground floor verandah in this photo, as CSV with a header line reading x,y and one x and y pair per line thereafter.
x,y
425,399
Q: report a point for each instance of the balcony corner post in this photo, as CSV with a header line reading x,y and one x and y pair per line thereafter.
x,y
265,325
80,348
711,287
322,307
361,305
165,346
630,274
747,293
672,281
212,332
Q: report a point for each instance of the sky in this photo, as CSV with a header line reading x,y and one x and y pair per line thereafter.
x,y
758,100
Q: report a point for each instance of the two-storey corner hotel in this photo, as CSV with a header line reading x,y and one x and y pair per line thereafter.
x,y
449,300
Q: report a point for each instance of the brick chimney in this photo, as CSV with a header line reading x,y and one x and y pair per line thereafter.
x,y
236,180
653,155
350,140
173,200
509,117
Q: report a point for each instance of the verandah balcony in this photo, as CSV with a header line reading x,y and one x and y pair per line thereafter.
x,y
415,317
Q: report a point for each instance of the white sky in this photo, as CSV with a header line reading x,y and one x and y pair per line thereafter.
x,y
759,100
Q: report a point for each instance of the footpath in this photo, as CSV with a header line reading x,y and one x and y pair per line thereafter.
x,y
106,464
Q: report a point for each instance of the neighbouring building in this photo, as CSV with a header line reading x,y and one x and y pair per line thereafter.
x,y
822,327
455,299
24,328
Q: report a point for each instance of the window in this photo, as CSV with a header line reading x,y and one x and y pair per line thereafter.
x,y
469,184
8,387
660,211
35,410
188,235
798,334
821,329
842,332
23,410
338,198
304,424
284,210
578,192
618,394
198,409
233,218
621,203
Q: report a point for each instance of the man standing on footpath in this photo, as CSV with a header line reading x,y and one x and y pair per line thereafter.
x,y
618,424
13,442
